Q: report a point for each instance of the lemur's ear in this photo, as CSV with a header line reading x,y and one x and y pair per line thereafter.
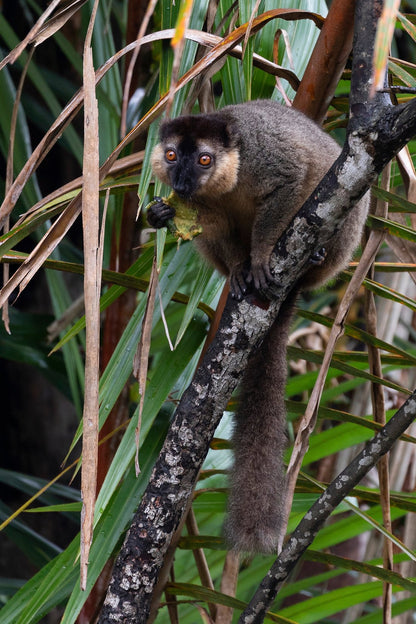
x,y
211,127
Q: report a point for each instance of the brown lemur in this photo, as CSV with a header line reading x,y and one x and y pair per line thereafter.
x,y
246,170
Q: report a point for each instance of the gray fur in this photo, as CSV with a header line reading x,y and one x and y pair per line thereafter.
x,y
257,479
267,161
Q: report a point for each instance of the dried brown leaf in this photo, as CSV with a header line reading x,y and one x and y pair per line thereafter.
x,y
403,249
129,75
379,411
9,175
249,25
67,10
124,165
43,249
204,615
384,36
92,287
178,45
228,586
43,29
16,52
200,560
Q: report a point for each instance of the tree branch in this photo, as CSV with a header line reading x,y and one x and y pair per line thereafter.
x,y
327,61
315,518
176,470
243,326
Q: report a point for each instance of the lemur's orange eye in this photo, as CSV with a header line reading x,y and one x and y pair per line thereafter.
x,y
205,160
170,155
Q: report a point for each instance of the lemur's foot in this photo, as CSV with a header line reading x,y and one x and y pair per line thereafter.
x,y
318,257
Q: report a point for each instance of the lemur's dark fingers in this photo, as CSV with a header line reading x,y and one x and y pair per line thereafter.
x,y
238,282
260,276
159,213
318,257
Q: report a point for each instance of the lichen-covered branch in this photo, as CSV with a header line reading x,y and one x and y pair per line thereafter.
x,y
173,478
315,518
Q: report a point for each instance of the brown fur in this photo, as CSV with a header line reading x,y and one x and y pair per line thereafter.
x,y
267,159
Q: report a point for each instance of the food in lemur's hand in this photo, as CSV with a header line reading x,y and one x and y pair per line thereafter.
x,y
183,225
246,170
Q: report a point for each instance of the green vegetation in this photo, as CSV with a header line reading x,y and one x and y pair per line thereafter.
x,y
336,576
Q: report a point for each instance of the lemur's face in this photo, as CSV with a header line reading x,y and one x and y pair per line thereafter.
x,y
196,158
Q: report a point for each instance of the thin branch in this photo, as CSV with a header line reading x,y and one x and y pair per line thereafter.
x,y
315,518
200,560
308,421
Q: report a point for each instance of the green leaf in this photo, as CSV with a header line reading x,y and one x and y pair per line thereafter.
x,y
38,81
49,508
197,592
396,68
28,344
389,293
336,363
202,281
38,549
397,203
398,607
371,568
393,228
331,602
53,583
358,334
346,528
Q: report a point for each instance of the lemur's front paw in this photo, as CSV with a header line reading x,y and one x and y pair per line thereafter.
x,y
238,281
159,213
318,257
260,276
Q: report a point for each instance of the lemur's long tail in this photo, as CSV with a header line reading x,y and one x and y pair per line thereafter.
x,y
257,479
